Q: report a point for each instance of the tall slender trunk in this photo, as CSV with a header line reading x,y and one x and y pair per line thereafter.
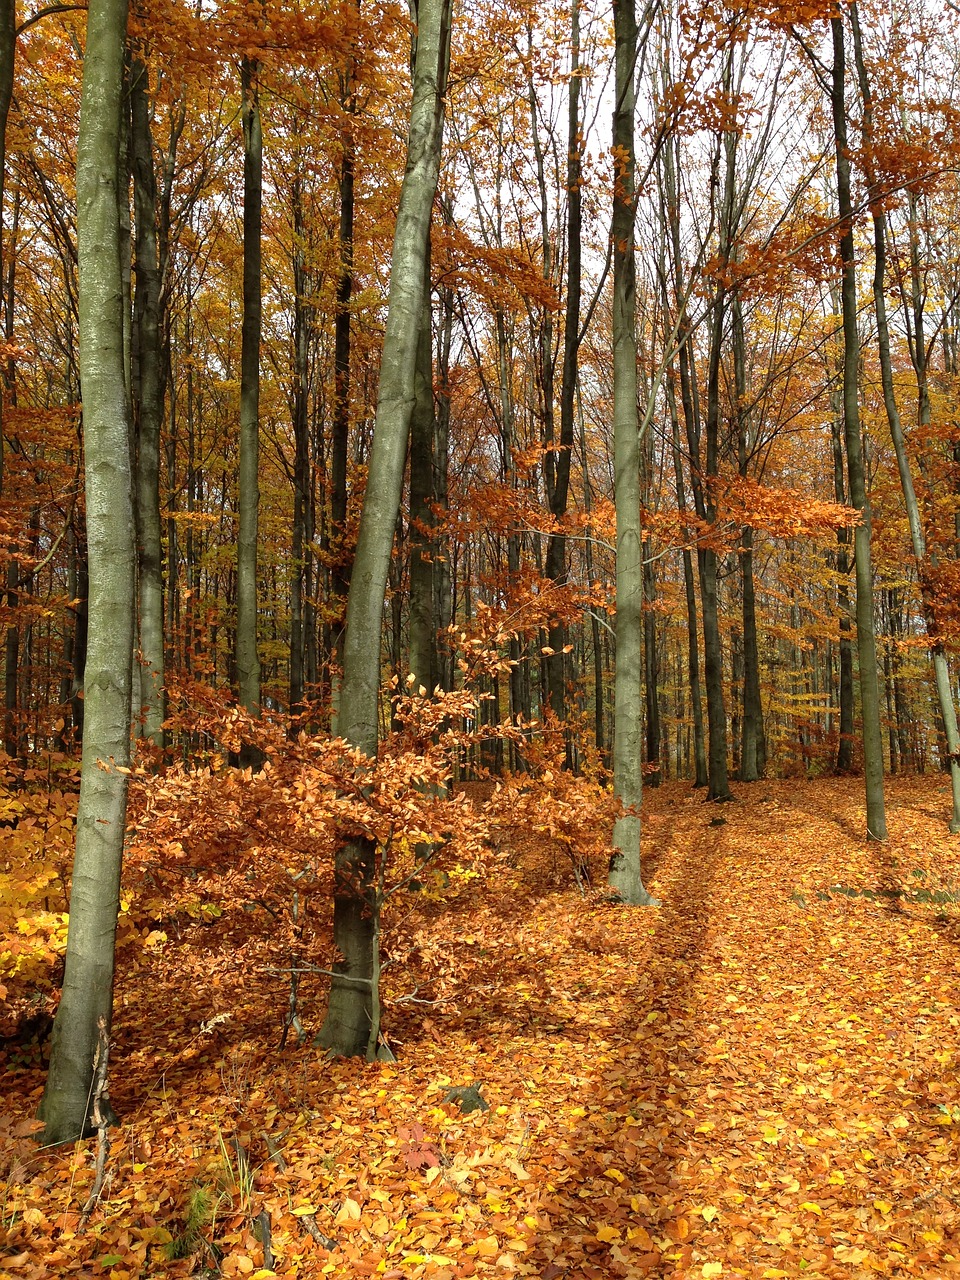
x,y
651,671
247,655
423,558
687,378
941,667
752,748
303,509
8,53
148,392
556,561
340,426
856,471
625,875
845,698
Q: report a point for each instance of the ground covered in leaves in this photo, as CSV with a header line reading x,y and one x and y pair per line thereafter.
x,y
759,1078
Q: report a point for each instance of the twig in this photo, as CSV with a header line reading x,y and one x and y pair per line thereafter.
x,y
308,1221
263,1221
100,1115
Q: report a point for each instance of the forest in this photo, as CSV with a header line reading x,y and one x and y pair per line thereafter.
x,y
480,611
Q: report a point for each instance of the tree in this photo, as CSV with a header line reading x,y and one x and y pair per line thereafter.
x,y
248,661
83,1019
856,473
148,405
352,1022
918,541
625,871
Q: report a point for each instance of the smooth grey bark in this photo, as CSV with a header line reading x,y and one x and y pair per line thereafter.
x,y
625,875
148,394
86,1006
351,1026
941,667
856,472
247,656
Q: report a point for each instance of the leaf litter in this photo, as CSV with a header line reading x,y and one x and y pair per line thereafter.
x,y
757,1079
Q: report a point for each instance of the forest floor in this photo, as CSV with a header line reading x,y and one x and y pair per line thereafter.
x,y
759,1078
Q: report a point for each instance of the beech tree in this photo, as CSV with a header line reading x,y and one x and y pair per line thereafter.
x,y
625,871
82,1026
853,445
351,1025
248,660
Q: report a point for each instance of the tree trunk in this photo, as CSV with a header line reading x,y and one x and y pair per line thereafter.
x,y
625,876
941,668
352,1015
556,562
303,509
423,559
340,427
8,53
148,409
856,472
247,657
84,1016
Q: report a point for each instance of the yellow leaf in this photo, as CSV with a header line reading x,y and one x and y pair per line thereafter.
x,y
708,1213
606,1234
615,1174
811,1206
711,1269
883,1206
302,1210
866,1155
349,1212
705,1127
770,1133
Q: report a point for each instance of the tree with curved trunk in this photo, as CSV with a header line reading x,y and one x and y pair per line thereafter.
x,y
84,1016
351,1026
